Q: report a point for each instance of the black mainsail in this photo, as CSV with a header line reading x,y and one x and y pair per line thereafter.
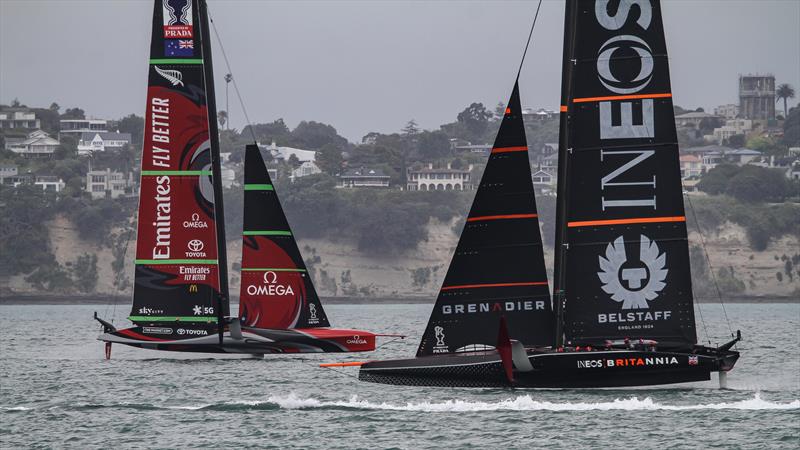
x,y
624,262
276,289
180,252
498,267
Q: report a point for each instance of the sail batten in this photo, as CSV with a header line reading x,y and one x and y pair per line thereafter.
x,y
497,270
622,252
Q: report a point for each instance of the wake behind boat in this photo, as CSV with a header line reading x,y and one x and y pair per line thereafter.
x,y
180,299
623,311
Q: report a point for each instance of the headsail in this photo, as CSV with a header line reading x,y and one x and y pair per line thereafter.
x,y
498,266
178,274
622,232
276,289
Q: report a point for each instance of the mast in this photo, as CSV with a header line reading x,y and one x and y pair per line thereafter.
x,y
216,165
559,274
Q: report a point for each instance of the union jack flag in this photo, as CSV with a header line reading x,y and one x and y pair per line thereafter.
x,y
693,360
186,44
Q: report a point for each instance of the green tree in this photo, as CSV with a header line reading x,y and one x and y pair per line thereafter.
x,y
276,131
222,118
433,145
716,180
84,272
791,128
475,118
411,128
134,125
329,159
784,92
736,141
314,135
73,113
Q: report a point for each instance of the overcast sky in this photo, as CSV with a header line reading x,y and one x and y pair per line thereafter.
x,y
371,65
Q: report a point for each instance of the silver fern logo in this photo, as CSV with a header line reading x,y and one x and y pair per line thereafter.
x,y
634,283
173,76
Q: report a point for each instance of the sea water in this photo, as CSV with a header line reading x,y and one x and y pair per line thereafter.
x,y
57,390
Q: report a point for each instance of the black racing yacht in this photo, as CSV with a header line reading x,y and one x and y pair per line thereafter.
x,y
622,312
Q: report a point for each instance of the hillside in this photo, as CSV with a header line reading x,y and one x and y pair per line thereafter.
x,y
340,270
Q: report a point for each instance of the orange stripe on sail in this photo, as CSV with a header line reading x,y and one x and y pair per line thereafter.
x,y
620,97
589,223
522,148
504,216
343,364
469,286
563,108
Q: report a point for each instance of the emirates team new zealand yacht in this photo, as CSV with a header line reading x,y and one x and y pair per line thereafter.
x,y
623,312
180,299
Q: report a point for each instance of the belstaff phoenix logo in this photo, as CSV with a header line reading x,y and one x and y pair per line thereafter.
x,y
634,283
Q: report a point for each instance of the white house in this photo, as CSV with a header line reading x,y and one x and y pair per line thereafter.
x,y
438,179
353,178
305,169
36,144
10,120
76,127
91,142
105,183
285,153
543,178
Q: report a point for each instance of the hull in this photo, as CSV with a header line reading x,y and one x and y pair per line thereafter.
x,y
249,341
592,369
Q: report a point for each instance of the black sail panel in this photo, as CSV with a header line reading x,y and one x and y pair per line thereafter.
x,y
627,263
498,267
276,289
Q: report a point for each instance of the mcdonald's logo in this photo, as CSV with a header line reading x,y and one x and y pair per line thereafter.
x,y
192,288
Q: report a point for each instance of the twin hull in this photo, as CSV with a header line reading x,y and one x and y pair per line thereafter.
x,y
613,368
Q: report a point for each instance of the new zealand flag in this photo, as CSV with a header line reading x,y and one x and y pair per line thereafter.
x,y
178,47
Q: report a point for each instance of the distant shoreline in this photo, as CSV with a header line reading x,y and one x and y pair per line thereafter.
x,y
20,299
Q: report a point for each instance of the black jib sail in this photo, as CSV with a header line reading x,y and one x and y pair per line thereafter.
x,y
624,262
276,290
180,254
498,266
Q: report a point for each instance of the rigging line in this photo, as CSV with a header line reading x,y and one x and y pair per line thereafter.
x,y
387,343
528,43
708,261
235,86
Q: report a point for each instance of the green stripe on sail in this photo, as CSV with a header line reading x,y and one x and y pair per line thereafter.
x,y
176,172
176,261
177,61
258,187
172,319
267,233
260,269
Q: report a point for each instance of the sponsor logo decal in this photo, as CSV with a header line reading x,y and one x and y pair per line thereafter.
x,y
606,54
633,283
627,362
145,311
159,122
195,222
173,76
156,330
270,287
199,310
440,346
312,315
195,247
694,360
357,340
490,307
192,273
177,18
192,332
